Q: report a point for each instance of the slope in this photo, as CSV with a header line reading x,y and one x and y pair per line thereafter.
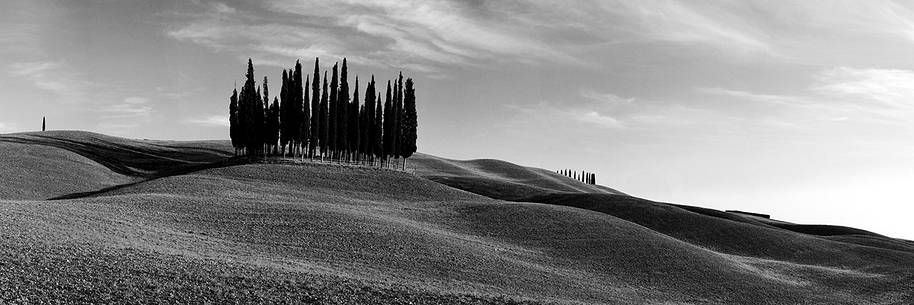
x,y
331,234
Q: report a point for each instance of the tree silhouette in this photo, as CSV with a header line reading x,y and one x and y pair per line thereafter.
x,y
352,115
332,115
234,133
342,118
315,106
305,121
377,145
325,119
368,122
388,126
273,126
285,117
43,124
409,121
295,93
398,115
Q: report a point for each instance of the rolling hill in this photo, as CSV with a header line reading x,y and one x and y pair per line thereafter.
x,y
179,222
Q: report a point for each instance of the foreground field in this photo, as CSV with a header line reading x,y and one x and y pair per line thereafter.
x,y
175,222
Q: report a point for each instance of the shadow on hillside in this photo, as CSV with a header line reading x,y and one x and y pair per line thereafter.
x,y
149,161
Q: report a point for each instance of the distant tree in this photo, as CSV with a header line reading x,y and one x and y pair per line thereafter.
x,y
234,133
409,121
43,125
315,106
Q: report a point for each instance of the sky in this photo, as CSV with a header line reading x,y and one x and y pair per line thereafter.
x,y
803,110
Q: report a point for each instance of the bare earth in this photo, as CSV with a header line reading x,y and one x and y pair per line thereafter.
x,y
138,221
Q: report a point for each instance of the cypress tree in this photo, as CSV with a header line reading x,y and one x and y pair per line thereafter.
x,y
398,115
369,122
410,122
342,133
250,112
285,118
296,92
388,125
267,125
233,120
378,136
325,119
274,125
305,122
355,139
332,115
44,126
315,106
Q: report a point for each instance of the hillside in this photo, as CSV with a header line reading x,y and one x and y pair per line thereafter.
x,y
175,222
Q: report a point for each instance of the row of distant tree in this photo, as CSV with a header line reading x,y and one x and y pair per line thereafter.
x,y
589,178
326,123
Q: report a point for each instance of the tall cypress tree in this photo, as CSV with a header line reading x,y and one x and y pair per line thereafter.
x,y
343,110
251,112
285,116
325,119
369,122
388,125
410,120
274,125
355,138
315,106
305,122
297,115
334,109
398,114
378,136
267,127
233,120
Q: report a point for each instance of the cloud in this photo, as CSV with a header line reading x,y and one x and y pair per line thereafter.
x,y
210,121
429,35
56,77
606,98
893,88
132,108
562,116
753,96
687,22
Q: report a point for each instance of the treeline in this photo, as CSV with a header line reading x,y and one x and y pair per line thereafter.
x,y
589,178
324,122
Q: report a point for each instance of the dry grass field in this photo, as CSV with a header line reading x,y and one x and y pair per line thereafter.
x,y
180,222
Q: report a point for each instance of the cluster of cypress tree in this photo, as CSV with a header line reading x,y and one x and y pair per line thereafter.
x,y
589,178
327,125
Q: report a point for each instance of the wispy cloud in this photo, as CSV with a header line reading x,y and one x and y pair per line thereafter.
x,y
425,34
131,108
210,121
887,87
56,77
